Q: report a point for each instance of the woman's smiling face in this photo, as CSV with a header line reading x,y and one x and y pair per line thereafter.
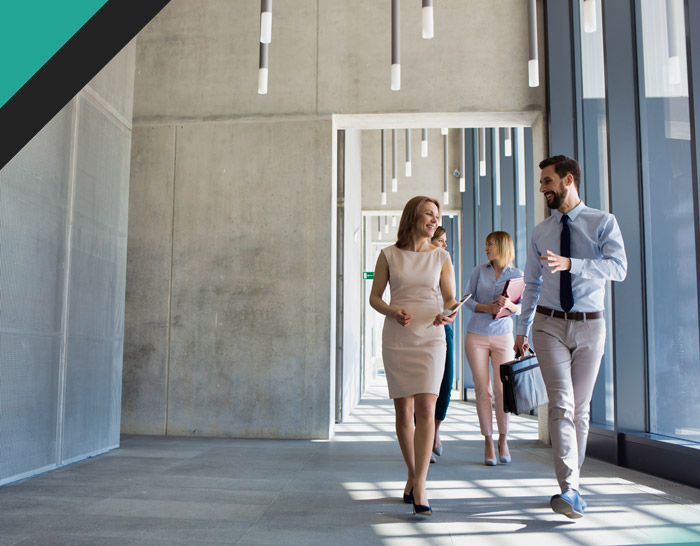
x,y
428,220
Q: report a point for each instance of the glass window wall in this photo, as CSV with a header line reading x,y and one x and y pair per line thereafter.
x,y
669,213
595,177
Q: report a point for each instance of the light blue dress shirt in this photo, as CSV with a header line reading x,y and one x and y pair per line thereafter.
x,y
485,288
597,255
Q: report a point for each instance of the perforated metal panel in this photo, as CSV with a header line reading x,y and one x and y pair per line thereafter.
x,y
98,276
28,403
33,200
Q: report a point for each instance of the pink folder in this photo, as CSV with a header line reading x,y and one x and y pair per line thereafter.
x,y
513,290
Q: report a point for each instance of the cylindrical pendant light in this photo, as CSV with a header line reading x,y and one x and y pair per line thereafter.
x,y
590,22
424,143
508,142
386,224
482,151
408,153
395,46
383,170
265,21
462,160
379,228
521,166
496,164
445,187
533,67
394,163
475,170
393,221
262,69
674,23
428,30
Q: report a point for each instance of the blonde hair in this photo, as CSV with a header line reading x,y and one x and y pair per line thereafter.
x,y
504,247
409,217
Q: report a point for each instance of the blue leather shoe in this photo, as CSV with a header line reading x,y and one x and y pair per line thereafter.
x,y
408,499
569,503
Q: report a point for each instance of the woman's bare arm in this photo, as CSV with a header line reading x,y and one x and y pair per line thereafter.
x,y
381,278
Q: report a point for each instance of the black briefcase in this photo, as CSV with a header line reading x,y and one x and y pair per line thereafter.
x,y
523,386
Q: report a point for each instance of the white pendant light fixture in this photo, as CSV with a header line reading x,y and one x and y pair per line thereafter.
x,y
462,161
477,180
590,22
386,224
424,143
444,131
521,166
394,163
383,171
265,21
508,142
674,22
533,67
395,46
265,38
445,187
482,151
428,28
262,69
408,153
379,228
496,164
393,221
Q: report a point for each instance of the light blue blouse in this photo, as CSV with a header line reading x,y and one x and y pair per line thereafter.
x,y
485,288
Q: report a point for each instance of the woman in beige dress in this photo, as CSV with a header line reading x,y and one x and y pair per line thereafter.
x,y
413,349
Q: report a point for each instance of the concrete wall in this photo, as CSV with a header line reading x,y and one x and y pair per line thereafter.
x,y
230,300
63,222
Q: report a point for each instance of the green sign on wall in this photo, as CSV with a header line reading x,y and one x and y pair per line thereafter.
x,y
368,275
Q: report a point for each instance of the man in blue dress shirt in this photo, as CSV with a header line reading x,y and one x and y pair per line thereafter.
x,y
571,256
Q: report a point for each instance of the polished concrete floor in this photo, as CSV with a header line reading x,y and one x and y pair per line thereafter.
x,y
177,491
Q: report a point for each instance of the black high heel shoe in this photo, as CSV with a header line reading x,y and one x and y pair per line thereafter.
x,y
422,509
408,499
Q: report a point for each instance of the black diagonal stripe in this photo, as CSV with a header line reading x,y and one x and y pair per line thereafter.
x,y
70,69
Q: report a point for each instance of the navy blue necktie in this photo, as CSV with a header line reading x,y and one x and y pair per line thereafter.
x,y
566,294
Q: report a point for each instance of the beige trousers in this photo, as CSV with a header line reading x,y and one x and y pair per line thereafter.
x,y
569,353
479,347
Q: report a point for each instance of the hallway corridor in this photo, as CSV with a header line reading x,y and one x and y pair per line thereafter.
x,y
178,491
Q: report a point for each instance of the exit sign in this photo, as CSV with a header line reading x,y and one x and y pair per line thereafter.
x,y
368,275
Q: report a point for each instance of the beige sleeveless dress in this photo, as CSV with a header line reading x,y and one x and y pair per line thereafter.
x,y
414,356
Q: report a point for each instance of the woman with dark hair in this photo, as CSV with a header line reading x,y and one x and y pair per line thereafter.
x,y
488,337
414,350
443,400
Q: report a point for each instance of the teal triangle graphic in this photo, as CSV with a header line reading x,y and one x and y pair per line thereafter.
x,y
32,31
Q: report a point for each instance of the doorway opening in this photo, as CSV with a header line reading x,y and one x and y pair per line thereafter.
x,y
381,162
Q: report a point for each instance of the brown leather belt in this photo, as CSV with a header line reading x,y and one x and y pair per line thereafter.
x,y
569,316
